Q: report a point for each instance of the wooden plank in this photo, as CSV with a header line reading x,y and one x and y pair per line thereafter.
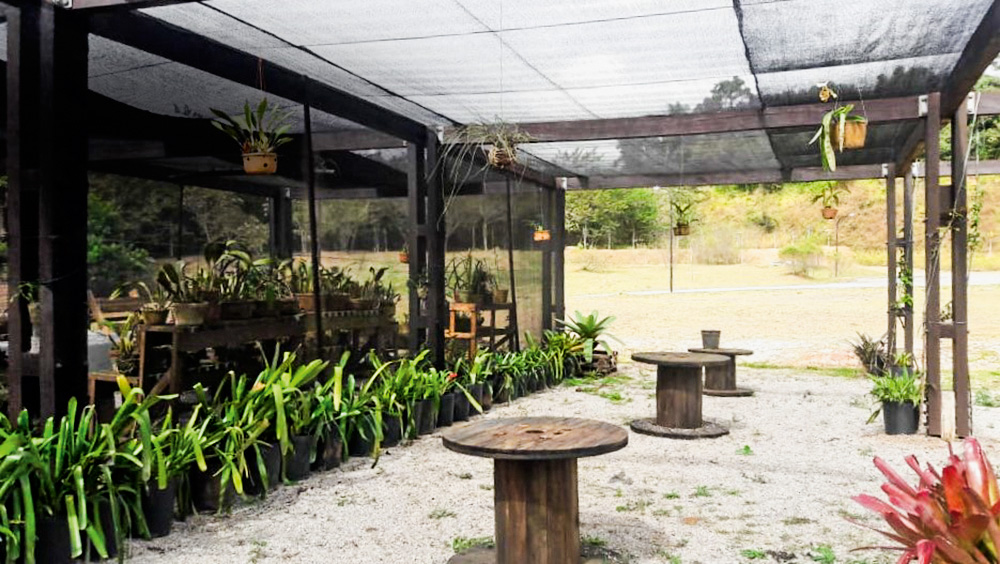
x,y
981,49
355,140
911,147
437,312
559,250
891,256
778,117
110,5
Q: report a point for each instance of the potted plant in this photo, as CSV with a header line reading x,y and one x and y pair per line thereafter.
x,y
404,254
175,450
683,217
156,306
540,233
469,278
830,196
124,351
591,329
872,354
259,132
899,401
839,129
501,139
499,293
188,304
338,287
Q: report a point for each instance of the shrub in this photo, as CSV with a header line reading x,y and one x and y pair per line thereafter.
x,y
719,245
802,254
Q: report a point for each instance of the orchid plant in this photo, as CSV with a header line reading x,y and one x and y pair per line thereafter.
x,y
951,517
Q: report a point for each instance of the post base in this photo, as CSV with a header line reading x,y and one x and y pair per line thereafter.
x,y
708,430
736,393
489,556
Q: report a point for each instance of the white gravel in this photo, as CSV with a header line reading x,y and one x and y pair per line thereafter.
x,y
657,500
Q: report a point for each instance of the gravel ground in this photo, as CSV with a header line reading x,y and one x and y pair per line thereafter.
x,y
780,484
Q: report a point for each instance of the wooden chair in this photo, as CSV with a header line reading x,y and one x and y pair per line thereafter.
x,y
94,377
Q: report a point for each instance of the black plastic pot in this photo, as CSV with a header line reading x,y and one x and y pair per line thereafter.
x,y
428,417
477,394
446,410
392,429
255,484
900,418
110,539
158,507
358,445
52,544
502,397
297,460
205,487
487,402
461,406
329,452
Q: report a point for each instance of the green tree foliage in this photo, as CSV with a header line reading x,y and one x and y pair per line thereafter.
x,y
612,217
986,136
111,260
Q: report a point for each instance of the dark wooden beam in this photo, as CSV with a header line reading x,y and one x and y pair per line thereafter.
x,y
911,148
355,140
22,115
982,48
778,117
115,5
159,38
932,248
62,249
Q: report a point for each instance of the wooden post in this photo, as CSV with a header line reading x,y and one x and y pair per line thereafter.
x,y
890,239
179,255
908,257
310,177
559,249
959,272
516,336
678,396
932,248
22,188
417,240
435,230
537,515
280,216
63,208
547,195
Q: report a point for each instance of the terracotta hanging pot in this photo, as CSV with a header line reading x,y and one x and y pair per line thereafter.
x,y
829,213
682,230
404,257
542,235
854,134
260,163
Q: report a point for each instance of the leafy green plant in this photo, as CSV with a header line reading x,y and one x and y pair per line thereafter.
x,y
124,338
872,354
830,194
905,387
259,130
837,117
590,329
948,517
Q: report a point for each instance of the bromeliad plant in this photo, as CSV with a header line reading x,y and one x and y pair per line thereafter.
x,y
590,329
951,517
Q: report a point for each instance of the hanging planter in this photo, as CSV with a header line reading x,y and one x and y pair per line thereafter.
x,y
541,234
682,229
259,132
830,197
404,255
839,130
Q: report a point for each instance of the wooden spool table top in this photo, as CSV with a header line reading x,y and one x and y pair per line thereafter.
x,y
536,438
680,359
726,352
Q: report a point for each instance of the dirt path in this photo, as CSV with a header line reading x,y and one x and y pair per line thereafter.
x,y
780,482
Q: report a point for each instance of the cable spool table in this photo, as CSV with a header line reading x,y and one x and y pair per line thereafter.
x,y
678,396
535,483
721,381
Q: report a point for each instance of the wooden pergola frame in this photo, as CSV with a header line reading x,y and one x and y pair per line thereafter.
x,y
52,145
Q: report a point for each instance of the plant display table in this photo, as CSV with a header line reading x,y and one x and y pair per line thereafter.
x,y
491,332
721,381
188,339
678,395
535,483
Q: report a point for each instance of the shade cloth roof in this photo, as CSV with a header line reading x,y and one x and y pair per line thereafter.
x,y
448,62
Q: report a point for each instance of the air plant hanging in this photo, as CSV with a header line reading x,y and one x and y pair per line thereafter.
x,y
259,132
